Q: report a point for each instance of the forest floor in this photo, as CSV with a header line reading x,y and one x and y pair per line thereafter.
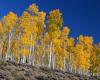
x,y
13,71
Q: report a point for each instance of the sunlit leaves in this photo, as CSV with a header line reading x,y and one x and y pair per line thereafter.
x,y
9,21
55,17
65,32
33,9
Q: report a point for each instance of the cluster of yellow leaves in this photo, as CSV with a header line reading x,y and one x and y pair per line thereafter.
x,y
70,42
55,16
65,31
83,51
1,27
42,15
33,8
25,39
10,20
85,39
57,46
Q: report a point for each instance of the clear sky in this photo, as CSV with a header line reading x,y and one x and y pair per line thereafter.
x,y
82,16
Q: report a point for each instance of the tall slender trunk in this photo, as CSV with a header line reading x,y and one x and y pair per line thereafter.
x,y
53,57
24,57
64,63
54,61
1,48
8,47
75,69
71,68
68,61
43,56
50,55
64,58
18,60
32,56
29,60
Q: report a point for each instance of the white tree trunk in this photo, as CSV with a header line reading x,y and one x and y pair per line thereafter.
x,y
54,61
29,59
64,63
75,68
18,59
50,55
8,47
68,61
64,58
53,57
1,48
32,57
24,59
29,62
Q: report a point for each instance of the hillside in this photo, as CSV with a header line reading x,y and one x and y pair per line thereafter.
x,y
12,71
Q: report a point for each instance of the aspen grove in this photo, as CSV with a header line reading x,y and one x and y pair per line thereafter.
x,y
36,40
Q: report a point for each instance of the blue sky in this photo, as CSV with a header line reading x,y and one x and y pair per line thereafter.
x,y
82,16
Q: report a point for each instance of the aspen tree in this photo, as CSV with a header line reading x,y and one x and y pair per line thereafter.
x,y
9,22
54,24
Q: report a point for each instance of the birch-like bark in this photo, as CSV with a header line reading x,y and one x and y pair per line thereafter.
x,y
54,61
23,61
18,59
50,55
43,57
64,63
32,57
53,57
1,48
29,60
75,69
64,58
68,61
8,47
